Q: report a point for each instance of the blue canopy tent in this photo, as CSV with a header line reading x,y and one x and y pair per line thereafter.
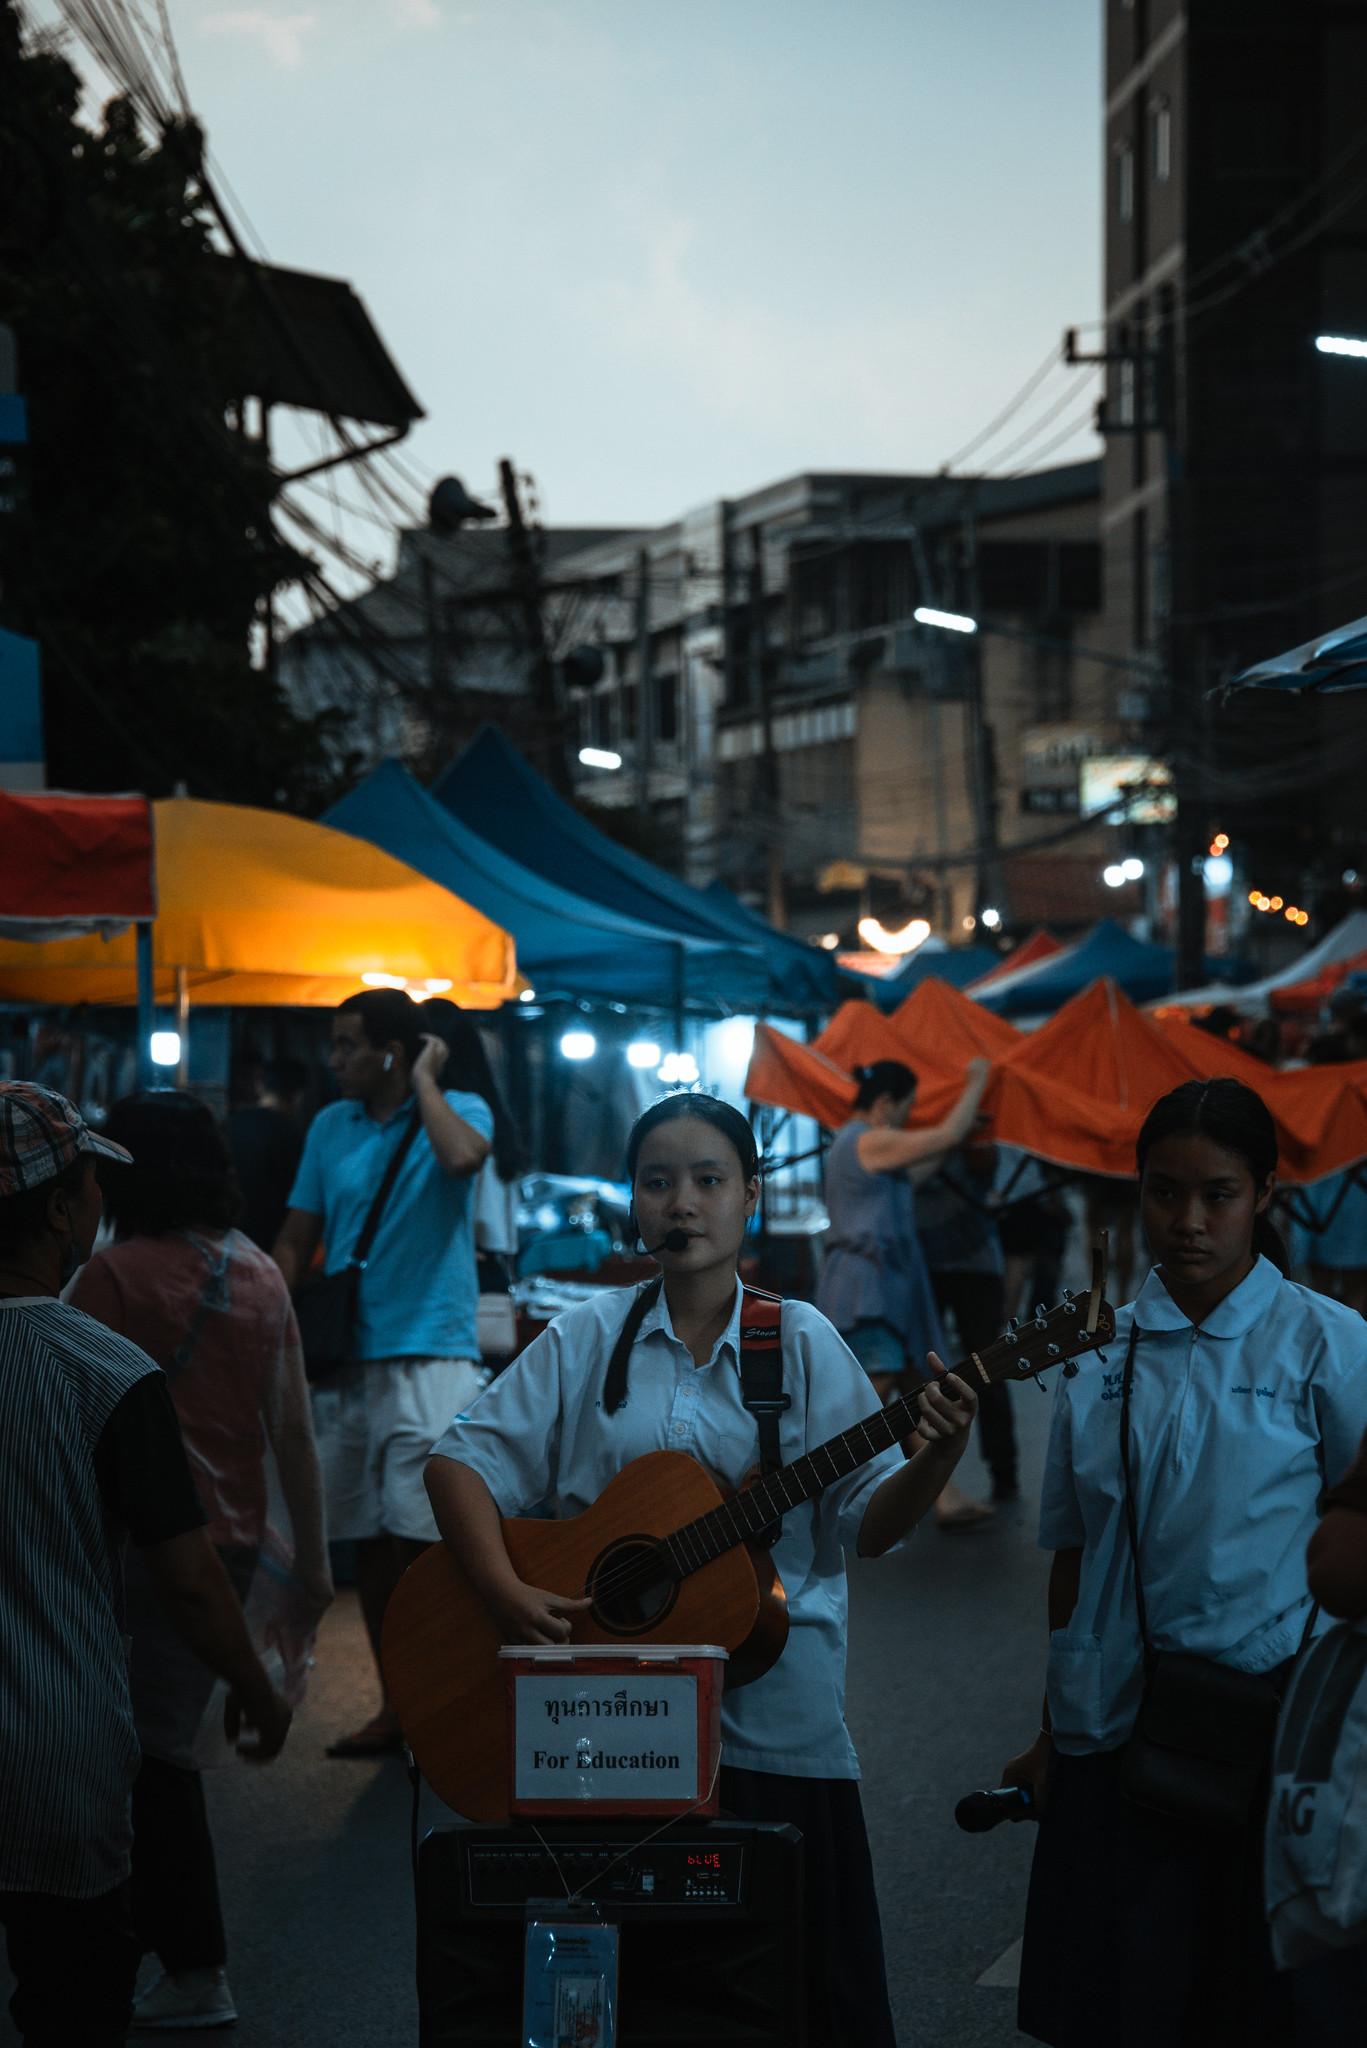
x,y
565,945
958,965
1330,662
1145,972
804,970
493,791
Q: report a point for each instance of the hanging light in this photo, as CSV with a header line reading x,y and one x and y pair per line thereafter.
x,y
578,1045
643,1052
164,1047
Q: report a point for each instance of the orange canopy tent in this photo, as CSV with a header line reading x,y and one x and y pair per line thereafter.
x,y
255,907
1076,1091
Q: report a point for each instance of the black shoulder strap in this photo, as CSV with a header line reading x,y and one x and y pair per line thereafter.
x,y
1131,1516
761,1383
619,1365
391,1174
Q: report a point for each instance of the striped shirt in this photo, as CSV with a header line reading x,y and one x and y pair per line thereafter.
x,y
68,1751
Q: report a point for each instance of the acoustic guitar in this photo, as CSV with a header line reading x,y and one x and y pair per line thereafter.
x,y
664,1556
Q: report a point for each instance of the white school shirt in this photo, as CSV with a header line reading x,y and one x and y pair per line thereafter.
x,y
1236,1427
540,1441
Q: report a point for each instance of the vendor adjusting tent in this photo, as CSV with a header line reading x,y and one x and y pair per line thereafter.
x,y
257,908
566,945
1075,1092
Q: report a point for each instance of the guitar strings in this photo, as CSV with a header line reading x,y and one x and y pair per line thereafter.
x,y
641,1570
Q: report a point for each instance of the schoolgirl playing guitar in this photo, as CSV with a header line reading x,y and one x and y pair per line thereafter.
x,y
545,1437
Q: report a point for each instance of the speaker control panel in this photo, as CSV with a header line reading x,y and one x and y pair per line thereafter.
x,y
704,1871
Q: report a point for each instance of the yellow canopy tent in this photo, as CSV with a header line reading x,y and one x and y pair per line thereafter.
x,y
255,907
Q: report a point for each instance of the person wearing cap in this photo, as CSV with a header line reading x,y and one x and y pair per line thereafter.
x,y
93,1457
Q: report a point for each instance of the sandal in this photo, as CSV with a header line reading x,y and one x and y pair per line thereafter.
x,y
380,1737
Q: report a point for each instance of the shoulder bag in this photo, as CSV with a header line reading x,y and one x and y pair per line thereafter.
x,y
326,1308
1202,1745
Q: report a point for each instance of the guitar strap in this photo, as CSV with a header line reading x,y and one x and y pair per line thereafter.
x,y
761,1384
761,1372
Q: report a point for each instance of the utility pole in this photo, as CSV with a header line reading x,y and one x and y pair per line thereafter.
x,y
981,753
771,793
1187,708
527,583
1157,408
645,682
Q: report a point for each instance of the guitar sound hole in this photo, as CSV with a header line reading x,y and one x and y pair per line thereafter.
x,y
631,1586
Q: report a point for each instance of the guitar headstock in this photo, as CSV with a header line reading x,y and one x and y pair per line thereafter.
x,y
1056,1336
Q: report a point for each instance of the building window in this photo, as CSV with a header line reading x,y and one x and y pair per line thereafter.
x,y
1124,181
1160,117
1126,381
667,709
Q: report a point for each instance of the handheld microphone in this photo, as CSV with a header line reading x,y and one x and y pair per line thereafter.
x,y
980,1811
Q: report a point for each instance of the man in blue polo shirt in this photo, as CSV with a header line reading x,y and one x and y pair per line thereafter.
x,y
416,1353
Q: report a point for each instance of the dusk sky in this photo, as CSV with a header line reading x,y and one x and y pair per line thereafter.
x,y
663,253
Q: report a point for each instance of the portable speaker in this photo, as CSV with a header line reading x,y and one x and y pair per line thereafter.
x,y
710,1916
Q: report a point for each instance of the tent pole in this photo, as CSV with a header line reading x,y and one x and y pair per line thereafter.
x,y
147,1003
183,1026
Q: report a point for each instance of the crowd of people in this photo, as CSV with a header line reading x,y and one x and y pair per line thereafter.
x,y
174,1483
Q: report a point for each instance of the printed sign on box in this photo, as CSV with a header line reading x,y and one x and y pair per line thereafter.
x,y
631,1735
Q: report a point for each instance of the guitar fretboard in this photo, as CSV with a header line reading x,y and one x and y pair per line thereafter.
x,y
750,1513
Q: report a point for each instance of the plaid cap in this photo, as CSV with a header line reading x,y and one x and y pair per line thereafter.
x,y
41,1133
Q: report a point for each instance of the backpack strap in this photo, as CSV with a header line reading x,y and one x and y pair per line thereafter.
x,y
761,1383
619,1365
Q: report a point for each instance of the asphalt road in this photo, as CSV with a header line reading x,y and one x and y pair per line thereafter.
x,y
946,1665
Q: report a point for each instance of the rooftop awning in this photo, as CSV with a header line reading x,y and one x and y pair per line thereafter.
x,y
258,908
1329,663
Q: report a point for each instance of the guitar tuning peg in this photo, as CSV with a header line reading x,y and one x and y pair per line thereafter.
x,y
1041,1312
1101,1358
1039,1382
1070,1369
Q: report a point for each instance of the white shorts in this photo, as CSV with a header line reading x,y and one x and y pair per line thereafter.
x,y
376,1424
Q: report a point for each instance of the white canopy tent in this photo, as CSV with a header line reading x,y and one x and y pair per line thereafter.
x,y
1345,942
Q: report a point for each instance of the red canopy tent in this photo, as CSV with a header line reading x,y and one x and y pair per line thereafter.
x,y
74,864
1041,945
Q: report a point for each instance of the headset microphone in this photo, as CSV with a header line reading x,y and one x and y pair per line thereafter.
x,y
674,1241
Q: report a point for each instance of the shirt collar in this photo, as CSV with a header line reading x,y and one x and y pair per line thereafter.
x,y
1155,1309
659,1318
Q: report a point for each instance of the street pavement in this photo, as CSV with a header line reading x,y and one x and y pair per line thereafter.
x,y
946,1668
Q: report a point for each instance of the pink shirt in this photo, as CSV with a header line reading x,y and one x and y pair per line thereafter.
x,y
214,1312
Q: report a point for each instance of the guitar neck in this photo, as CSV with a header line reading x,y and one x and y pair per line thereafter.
x,y
748,1514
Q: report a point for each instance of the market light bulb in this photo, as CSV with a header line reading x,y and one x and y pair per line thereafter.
x,y
578,1045
164,1047
912,934
643,1052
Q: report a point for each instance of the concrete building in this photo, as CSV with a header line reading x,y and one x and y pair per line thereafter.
x,y
780,720
814,747
1234,513
414,665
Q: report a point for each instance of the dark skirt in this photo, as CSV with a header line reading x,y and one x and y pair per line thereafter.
x,y
842,1947
1140,1933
